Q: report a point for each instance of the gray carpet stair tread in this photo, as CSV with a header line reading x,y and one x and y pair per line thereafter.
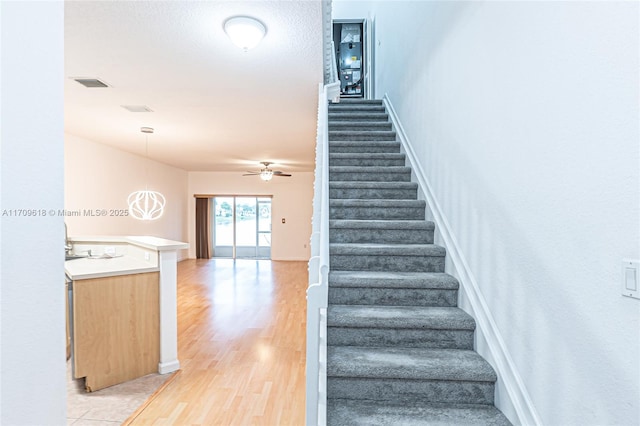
x,y
376,203
347,101
408,363
367,155
350,184
358,116
369,169
361,145
357,108
386,249
418,225
380,279
342,412
399,317
333,134
374,125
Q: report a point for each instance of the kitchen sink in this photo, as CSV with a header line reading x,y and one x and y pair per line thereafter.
x,y
73,256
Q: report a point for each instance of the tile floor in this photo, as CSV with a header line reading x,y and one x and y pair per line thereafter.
x,y
110,406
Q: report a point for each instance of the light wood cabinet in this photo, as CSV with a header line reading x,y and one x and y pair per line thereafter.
x,y
116,328
66,311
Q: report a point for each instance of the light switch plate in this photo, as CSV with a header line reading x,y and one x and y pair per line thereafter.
x,y
630,277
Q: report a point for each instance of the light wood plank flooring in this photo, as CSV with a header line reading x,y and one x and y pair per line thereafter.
x,y
241,346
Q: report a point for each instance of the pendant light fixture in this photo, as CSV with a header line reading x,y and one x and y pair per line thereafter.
x,y
146,205
244,31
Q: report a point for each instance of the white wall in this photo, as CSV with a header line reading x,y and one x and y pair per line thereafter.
x,y
524,117
32,348
101,177
292,200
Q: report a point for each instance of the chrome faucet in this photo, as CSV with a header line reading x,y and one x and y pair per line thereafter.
x,y
67,246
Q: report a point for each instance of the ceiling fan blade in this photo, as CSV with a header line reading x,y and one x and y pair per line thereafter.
x,y
251,174
281,174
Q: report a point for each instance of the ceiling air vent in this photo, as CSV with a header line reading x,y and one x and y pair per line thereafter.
x,y
91,82
137,108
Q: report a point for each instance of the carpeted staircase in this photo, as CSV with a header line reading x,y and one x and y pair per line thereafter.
x,y
399,350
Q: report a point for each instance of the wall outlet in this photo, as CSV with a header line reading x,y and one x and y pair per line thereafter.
x,y
147,256
630,278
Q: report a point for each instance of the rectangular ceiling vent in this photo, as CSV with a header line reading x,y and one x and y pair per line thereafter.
x,y
91,82
137,108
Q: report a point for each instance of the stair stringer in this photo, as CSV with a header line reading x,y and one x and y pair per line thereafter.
x,y
511,395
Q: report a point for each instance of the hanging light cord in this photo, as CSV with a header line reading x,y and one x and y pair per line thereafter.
x,y
146,205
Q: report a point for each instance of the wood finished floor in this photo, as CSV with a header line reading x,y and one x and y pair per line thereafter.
x,y
241,346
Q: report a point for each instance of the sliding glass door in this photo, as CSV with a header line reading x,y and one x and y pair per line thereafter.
x,y
242,227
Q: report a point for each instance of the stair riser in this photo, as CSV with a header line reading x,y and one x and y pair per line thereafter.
x,y
376,213
351,262
373,194
412,338
359,125
340,135
359,148
381,236
410,391
366,162
392,296
373,176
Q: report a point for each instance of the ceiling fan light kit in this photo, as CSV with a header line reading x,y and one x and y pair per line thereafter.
x,y
244,31
266,173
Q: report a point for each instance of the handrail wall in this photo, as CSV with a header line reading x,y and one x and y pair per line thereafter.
x,y
317,292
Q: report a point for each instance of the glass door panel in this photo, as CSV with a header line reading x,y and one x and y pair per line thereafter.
x,y
246,234
264,227
242,227
223,235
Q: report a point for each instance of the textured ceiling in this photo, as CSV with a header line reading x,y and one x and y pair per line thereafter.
x,y
215,107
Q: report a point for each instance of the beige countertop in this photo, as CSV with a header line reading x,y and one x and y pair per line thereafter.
x,y
86,268
124,261
153,243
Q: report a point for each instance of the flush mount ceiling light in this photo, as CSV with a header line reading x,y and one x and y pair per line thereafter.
x,y
146,205
244,31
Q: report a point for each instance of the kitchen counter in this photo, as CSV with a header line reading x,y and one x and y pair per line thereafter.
x,y
116,256
153,243
132,255
86,268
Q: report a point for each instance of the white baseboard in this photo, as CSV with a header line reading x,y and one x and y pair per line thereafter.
x,y
288,259
168,367
518,402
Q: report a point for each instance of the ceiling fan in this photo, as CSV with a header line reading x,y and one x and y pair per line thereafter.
x,y
266,173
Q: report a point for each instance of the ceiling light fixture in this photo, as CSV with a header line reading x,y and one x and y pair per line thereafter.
x,y
266,174
244,31
146,205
